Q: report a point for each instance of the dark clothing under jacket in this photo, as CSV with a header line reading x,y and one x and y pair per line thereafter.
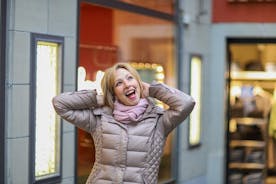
x,y
126,153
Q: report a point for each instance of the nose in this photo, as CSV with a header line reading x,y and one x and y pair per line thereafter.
x,y
126,82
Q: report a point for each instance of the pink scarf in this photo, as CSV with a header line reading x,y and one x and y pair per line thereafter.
x,y
128,114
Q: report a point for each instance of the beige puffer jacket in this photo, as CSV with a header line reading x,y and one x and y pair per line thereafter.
x,y
125,153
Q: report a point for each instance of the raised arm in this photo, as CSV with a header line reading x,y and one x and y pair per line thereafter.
x,y
76,108
180,105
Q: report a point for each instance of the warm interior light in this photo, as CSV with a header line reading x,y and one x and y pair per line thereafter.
x,y
195,116
88,84
253,75
47,137
153,71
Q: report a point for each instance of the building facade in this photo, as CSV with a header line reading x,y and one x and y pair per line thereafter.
x,y
243,47
48,47
33,31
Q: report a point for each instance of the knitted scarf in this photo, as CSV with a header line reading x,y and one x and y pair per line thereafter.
x,y
127,114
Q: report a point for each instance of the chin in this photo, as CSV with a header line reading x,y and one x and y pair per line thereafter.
x,y
133,103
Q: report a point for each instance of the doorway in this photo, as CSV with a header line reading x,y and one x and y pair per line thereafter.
x,y
251,148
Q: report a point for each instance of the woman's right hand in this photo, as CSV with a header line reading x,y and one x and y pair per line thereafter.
x,y
145,90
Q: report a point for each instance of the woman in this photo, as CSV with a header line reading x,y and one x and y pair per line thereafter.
x,y
128,130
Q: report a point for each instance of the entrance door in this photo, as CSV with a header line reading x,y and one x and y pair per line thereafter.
x,y
252,110
108,36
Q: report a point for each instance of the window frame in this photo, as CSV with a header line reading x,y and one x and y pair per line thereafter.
x,y
35,38
2,88
133,8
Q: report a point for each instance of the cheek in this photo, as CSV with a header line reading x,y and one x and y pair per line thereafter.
x,y
138,86
117,91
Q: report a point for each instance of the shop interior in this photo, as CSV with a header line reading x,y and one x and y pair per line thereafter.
x,y
108,36
252,113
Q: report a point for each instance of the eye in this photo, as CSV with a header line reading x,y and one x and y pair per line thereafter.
x,y
129,77
118,83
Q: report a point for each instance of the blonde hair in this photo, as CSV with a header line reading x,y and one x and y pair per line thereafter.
x,y
108,82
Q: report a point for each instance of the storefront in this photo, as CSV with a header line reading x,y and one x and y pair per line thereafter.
x,y
243,46
142,34
58,47
200,47
251,109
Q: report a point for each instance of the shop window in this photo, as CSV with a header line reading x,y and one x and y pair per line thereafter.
x,y
142,39
195,91
45,124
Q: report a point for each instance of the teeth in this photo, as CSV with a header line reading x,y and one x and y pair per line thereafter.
x,y
129,92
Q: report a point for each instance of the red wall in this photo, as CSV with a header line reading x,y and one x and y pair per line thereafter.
x,y
95,24
224,11
96,28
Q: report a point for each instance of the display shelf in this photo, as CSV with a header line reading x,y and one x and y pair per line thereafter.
x,y
249,166
253,75
248,138
247,143
248,121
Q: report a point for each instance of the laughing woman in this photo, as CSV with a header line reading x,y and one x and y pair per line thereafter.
x,y
128,129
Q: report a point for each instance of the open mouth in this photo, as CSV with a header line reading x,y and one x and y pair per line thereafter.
x,y
131,94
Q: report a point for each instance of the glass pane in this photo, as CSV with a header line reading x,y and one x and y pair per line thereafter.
x,y
151,72
195,116
120,36
166,6
47,131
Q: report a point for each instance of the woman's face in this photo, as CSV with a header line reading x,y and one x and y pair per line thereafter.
x,y
126,87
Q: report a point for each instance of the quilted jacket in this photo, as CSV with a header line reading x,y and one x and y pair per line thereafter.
x,y
125,153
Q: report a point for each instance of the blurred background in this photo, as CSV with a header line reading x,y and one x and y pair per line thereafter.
x,y
221,52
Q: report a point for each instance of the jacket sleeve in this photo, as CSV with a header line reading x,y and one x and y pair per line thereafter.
x,y
180,105
76,108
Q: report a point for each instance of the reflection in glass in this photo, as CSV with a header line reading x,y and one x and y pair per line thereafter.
x,y
47,130
195,116
150,71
